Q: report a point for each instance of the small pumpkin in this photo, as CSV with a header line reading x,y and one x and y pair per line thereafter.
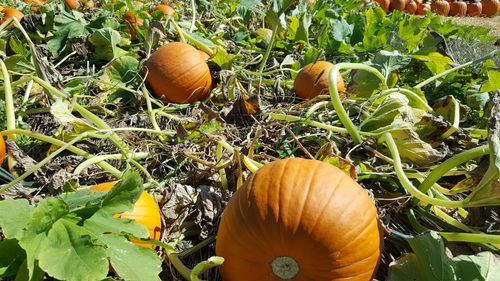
x,y
441,7
490,7
165,9
312,80
145,212
132,22
399,5
36,4
10,12
89,4
458,9
384,4
411,7
2,149
178,73
298,219
73,4
422,8
474,9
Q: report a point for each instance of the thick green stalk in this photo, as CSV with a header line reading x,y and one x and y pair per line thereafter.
x,y
451,163
151,112
471,237
269,48
398,167
222,171
191,39
334,95
99,158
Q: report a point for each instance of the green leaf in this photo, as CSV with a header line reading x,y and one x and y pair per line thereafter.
x,y
412,31
430,262
67,25
12,257
24,275
387,62
105,40
130,261
493,83
119,199
70,252
48,212
376,34
223,59
12,223
436,62
121,72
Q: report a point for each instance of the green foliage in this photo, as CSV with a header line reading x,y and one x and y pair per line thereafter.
x,y
73,236
430,262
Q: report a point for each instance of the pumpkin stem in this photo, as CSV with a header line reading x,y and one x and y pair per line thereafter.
x,y
285,268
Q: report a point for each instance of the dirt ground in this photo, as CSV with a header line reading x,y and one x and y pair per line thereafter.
x,y
492,23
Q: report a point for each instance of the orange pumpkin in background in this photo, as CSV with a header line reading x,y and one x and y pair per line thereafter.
x,y
73,4
399,5
384,4
474,9
178,73
490,7
440,7
2,150
422,8
312,80
9,12
165,9
411,7
298,219
146,212
458,9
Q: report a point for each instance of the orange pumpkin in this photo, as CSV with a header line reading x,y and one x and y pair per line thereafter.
x,y
89,4
441,7
458,9
166,10
490,7
411,7
145,212
37,3
2,150
399,5
9,12
178,73
474,9
422,8
73,4
312,80
298,219
384,4
132,22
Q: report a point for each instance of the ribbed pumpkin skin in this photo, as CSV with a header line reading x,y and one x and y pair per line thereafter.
x,y
304,209
474,9
411,7
441,7
490,7
9,12
178,73
458,9
2,150
384,4
307,85
146,212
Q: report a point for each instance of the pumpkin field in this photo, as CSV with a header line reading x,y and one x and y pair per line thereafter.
x,y
249,140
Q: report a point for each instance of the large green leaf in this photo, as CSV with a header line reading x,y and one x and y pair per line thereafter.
x,y
12,257
430,262
105,40
12,223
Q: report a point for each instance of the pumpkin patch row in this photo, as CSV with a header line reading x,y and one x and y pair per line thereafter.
x,y
457,8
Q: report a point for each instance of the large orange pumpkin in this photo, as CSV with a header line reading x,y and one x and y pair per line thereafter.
x,y
297,219
9,12
411,7
2,150
490,7
312,80
178,73
146,212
